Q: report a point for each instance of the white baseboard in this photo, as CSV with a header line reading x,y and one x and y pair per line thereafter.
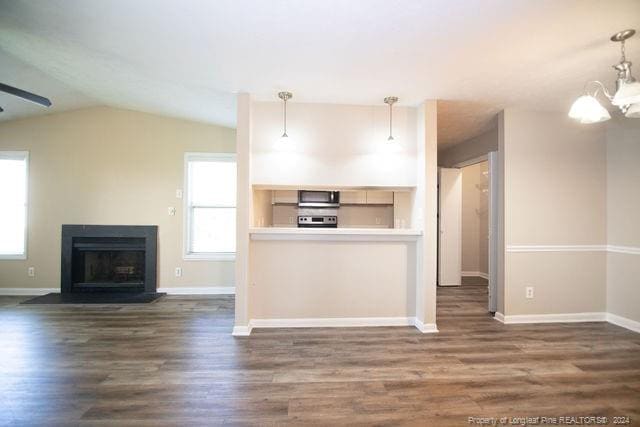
x,y
242,331
632,325
475,274
200,290
27,291
425,328
332,322
448,285
555,318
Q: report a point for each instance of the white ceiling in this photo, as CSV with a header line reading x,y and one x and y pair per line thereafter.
x,y
188,58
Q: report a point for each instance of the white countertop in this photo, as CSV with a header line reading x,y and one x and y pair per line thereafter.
x,y
333,234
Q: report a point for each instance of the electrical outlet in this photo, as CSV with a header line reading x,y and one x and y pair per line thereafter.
x,y
171,210
31,272
178,271
529,292
377,220
178,194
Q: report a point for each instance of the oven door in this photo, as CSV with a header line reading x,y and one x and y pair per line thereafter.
x,y
318,199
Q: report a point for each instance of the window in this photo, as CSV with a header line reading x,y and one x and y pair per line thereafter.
x,y
14,167
210,206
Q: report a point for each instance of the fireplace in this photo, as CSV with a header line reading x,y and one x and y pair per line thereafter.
x,y
109,258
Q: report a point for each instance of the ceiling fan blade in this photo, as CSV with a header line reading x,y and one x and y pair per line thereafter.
x,y
25,95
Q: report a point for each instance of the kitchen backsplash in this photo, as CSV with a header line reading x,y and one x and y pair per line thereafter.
x,y
354,216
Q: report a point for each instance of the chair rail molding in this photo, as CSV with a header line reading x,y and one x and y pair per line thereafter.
x,y
633,250
556,248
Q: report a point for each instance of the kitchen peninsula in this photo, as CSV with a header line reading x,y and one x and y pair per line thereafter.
x,y
356,262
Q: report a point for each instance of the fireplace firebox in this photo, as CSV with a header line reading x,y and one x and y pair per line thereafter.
x,y
109,258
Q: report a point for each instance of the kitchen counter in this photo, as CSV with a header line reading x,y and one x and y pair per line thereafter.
x,y
334,234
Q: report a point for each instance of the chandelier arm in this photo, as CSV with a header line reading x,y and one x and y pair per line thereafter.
x,y
599,86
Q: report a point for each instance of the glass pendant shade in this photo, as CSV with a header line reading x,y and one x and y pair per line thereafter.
x,y
629,93
284,143
634,111
587,109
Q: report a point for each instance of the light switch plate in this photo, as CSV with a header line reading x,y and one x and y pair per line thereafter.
x,y
178,194
178,271
31,272
171,210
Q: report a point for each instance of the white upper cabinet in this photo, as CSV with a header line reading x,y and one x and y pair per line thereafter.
x,y
285,196
353,197
347,197
379,197
333,146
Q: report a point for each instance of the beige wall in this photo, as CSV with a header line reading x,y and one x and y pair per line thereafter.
x,y
623,217
470,149
475,220
554,194
109,166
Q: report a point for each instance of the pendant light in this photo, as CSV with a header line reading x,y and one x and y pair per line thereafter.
x,y
284,139
390,100
587,108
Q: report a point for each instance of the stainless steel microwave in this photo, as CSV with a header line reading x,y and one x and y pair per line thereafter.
x,y
318,199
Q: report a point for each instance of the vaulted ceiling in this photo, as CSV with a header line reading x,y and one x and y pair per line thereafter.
x,y
189,58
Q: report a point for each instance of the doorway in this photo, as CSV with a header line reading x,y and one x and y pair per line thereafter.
x,y
466,215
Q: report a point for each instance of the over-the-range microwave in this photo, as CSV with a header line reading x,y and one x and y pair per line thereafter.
x,y
318,199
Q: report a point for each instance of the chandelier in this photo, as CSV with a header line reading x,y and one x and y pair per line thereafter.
x,y
587,108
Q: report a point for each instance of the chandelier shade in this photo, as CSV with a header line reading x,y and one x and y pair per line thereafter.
x,y
628,93
634,111
587,109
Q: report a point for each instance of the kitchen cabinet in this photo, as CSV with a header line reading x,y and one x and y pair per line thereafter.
x,y
353,197
379,197
284,196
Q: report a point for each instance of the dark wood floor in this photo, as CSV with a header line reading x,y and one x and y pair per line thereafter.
x,y
174,362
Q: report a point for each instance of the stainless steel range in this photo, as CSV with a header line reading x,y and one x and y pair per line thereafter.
x,y
317,221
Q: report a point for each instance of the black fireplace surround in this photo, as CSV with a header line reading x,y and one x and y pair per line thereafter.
x,y
109,258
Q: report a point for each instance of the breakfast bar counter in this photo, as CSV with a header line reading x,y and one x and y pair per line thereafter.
x,y
334,234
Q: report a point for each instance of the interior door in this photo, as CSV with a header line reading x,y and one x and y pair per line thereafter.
x,y
493,231
450,227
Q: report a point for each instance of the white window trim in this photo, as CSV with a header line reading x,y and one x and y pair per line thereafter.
x,y
20,155
200,256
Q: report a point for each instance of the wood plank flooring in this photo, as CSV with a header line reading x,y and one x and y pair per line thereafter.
x,y
174,362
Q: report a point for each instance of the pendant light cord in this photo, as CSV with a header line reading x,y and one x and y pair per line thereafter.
x,y
390,121
285,118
